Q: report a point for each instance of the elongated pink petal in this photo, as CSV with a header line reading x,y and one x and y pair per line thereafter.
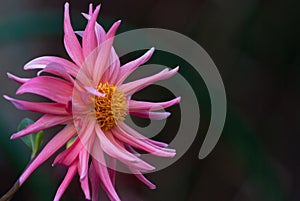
x,y
129,67
120,132
112,164
110,148
138,164
89,40
85,187
105,49
44,122
17,79
83,163
42,62
102,172
68,156
134,86
142,178
67,180
53,88
57,69
143,105
132,150
160,144
100,33
112,72
48,108
151,115
71,43
94,182
55,143
94,91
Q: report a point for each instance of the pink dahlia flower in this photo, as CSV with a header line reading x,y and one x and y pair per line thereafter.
x,y
90,98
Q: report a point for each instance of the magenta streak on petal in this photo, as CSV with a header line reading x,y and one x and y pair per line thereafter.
x,y
42,123
57,69
67,180
53,88
71,43
151,115
55,143
42,62
102,172
128,68
134,86
41,107
17,79
143,105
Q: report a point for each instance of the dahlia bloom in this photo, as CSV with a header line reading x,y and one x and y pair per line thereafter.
x,y
89,97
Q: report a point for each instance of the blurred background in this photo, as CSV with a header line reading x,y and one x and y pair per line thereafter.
x,y
255,45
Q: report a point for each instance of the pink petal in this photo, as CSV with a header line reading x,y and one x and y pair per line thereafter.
x,y
134,86
104,52
71,43
68,156
55,143
138,164
83,163
48,108
112,72
142,178
67,180
17,79
151,115
132,150
94,91
42,123
112,164
53,88
85,187
100,33
42,62
142,105
128,68
89,40
57,69
160,144
122,132
110,148
102,172
94,182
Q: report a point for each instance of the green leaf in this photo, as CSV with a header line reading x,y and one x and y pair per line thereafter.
x,y
33,141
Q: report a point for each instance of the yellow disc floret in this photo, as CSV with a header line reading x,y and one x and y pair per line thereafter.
x,y
111,108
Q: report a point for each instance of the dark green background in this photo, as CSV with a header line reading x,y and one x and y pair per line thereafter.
x,y
255,45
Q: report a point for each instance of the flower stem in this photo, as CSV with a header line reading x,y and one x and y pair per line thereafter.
x,y
11,192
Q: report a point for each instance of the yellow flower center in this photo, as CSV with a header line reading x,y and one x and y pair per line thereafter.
x,y
111,108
